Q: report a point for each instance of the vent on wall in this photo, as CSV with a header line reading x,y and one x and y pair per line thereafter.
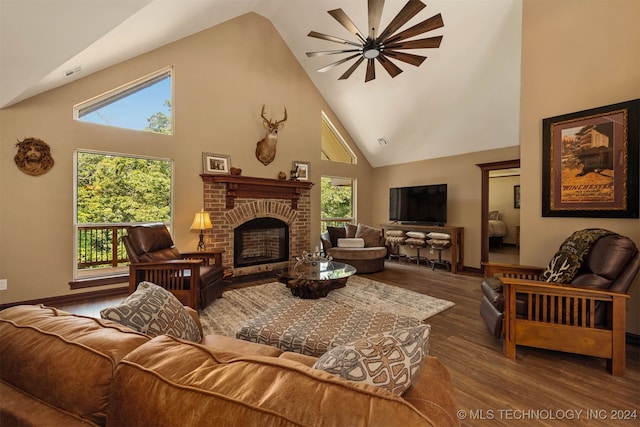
x,y
72,71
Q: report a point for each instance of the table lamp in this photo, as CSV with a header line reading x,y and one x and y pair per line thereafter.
x,y
201,222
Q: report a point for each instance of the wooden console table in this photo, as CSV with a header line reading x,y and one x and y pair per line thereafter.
x,y
457,240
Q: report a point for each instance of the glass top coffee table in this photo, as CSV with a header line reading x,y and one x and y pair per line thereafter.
x,y
315,280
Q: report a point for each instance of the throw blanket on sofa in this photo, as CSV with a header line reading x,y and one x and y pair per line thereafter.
x,y
567,261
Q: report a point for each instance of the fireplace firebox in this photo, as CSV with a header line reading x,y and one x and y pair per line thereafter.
x,y
261,241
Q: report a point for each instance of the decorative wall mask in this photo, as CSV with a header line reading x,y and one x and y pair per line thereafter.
x,y
34,156
266,147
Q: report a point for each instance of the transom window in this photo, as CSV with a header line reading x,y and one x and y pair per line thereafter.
x,y
144,105
334,147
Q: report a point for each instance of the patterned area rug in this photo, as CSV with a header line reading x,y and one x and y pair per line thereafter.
x,y
226,315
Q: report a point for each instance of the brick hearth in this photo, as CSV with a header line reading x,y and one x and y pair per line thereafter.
x,y
234,200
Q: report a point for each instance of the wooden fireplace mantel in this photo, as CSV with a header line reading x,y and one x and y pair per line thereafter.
x,y
258,188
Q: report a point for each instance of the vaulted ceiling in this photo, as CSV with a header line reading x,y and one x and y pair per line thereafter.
x,y
465,97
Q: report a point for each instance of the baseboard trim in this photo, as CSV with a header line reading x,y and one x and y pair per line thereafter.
x,y
99,281
68,299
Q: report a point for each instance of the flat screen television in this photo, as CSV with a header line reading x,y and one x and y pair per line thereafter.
x,y
423,204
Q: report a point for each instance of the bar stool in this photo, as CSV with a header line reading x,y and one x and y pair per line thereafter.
x,y
416,240
395,239
438,242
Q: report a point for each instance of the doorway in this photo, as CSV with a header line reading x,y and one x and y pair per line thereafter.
x,y
486,169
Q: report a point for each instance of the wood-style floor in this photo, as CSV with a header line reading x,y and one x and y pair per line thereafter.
x,y
538,388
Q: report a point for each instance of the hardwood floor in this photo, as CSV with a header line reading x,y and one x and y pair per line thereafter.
x,y
506,254
538,388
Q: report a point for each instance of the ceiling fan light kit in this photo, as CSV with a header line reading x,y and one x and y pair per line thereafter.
x,y
386,45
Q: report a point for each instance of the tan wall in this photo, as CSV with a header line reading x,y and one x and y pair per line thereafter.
x,y
222,76
577,55
463,179
556,79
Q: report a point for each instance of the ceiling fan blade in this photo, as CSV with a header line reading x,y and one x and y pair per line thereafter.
x,y
351,69
409,58
331,38
375,13
409,10
427,25
371,70
343,19
431,42
335,64
391,68
330,52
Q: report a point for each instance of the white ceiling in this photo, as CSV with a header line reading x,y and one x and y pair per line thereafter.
x,y
465,97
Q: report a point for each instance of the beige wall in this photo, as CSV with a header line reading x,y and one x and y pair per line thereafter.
x,y
576,55
558,36
222,76
463,179
220,87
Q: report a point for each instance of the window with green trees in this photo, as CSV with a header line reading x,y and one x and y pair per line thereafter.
x,y
337,201
144,104
112,192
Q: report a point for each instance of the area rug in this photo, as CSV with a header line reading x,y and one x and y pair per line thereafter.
x,y
226,315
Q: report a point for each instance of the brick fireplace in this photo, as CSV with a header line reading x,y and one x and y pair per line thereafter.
x,y
233,200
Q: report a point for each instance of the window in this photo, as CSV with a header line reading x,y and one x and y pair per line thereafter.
x,y
337,201
144,104
113,191
334,148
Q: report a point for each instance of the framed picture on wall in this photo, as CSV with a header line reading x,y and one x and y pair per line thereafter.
x,y
303,170
516,197
215,163
590,162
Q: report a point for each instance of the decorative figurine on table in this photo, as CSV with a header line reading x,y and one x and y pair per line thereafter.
x,y
312,258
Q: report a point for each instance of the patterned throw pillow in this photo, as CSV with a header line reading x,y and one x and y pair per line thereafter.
x,y
154,311
389,360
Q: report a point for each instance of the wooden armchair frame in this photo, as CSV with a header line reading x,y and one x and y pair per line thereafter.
x,y
180,277
561,317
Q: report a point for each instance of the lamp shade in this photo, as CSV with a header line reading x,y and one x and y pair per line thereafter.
x,y
201,221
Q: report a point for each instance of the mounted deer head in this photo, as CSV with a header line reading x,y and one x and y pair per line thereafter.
x,y
266,147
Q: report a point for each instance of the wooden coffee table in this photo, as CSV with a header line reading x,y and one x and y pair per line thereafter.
x,y
315,280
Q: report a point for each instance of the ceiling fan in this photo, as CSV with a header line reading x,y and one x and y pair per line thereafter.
x,y
382,46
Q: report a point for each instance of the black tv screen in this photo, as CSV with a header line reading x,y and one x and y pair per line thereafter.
x,y
424,204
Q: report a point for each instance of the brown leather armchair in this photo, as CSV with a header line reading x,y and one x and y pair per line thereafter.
x,y
195,278
587,316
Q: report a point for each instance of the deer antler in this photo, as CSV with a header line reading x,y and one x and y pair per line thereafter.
x,y
283,120
268,123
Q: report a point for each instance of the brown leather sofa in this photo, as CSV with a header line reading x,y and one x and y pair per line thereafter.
x,y
195,278
367,259
62,369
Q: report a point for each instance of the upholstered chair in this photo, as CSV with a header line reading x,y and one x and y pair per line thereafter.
x,y
195,278
394,240
416,240
586,315
437,242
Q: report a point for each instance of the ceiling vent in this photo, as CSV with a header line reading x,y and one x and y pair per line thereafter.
x,y
383,141
72,71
